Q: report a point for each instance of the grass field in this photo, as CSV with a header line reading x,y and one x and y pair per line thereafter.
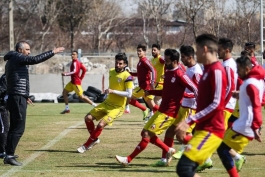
x,y
48,148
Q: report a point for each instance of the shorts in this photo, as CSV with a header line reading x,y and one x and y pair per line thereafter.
x,y
107,112
235,140
158,123
183,114
227,115
138,93
72,87
202,145
159,86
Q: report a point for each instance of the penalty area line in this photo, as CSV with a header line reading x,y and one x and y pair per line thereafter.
x,y
45,147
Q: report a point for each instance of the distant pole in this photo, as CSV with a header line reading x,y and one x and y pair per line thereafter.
x,y
11,26
79,54
261,30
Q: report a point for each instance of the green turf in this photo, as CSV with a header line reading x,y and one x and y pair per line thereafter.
x,y
45,125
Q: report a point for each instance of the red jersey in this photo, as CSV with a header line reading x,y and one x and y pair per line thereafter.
x,y
254,61
175,83
146,74
211,100
75,68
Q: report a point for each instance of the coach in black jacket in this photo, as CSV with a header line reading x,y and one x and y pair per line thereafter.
x,y
18,92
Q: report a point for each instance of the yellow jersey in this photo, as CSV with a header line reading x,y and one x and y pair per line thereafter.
x,y
121,82
159,67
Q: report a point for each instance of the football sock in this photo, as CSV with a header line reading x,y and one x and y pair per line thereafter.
x,y
90,126
139,148
137,104
94,135
169,142
155,108
233,172
67,107
156,141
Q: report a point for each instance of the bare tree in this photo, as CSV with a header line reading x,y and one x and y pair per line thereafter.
x,y
105,15
72,16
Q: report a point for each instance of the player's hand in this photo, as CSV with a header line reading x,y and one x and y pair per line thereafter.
x,y
30,102
258,134
235,94
108,91
181,130
63,74
58,50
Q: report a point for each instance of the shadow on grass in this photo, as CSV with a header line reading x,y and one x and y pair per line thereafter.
x,y
50,150
131,168
252,154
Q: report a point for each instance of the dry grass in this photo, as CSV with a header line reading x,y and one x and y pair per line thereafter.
x,y
44,124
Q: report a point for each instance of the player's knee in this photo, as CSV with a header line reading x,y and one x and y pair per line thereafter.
x,y
144,133
88,118
186,167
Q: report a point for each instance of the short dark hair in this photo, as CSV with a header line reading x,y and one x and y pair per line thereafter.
x,y
122,56
250,45
174,54
208,40
75,51
142,46
187,50
156,46
245,53
244,61
226,43
20,45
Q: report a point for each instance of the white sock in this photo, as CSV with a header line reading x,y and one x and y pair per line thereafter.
x,y
151,113
127,108
67,107
164,160
237,157
208,160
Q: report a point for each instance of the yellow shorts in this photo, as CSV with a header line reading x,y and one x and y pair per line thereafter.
x,y
159,86
236,110
158,123
227,115
235,140
183,114
138,93
202,145
107,112
72,87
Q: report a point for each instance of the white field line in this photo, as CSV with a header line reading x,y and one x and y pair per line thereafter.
x,y
37,154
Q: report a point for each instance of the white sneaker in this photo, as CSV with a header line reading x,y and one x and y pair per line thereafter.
x,y
81,149
93,144
170,152
122,160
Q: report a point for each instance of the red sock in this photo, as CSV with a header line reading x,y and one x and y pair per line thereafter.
x,y
169,142
187,139
233,172
230,124
140,147
94,135
90,126
155,108
137,104
156,141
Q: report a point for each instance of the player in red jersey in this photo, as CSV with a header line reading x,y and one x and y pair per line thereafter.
x,y
209,117
146,75
75,83
175,83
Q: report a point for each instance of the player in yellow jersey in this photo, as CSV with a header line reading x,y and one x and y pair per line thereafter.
x,y
120,88
158,63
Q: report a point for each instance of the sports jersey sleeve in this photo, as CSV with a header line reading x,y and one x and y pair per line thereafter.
x,y
162,60
253,94
155,92
74,71
187,82
230,83
133,74
210,109
83,69
150,67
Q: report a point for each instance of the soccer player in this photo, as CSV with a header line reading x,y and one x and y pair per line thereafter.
x,y
174,86
225,47
189,104
247,127
209,117
75,83
146,75
250,47
159,64
120,88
